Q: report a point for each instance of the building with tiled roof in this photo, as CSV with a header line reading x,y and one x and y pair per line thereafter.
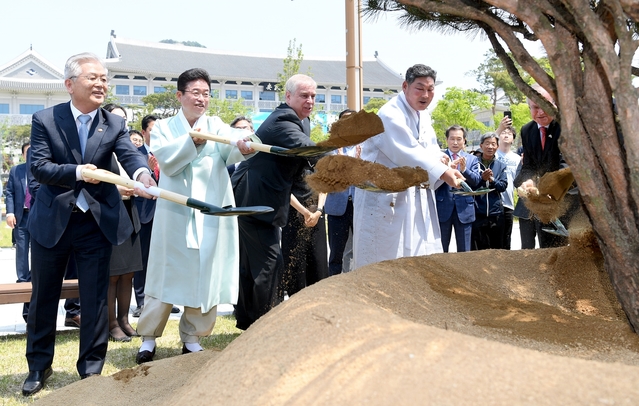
x,y
140,68
136,68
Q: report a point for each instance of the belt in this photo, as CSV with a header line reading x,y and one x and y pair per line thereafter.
x,y
26,210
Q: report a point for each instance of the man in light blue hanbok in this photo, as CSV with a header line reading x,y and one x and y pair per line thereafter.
x,y
193,260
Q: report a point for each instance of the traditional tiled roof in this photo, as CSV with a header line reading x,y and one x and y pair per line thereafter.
x,y
159,59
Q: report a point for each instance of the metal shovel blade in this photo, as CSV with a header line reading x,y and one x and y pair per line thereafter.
x,y
560,230
212,210
305,152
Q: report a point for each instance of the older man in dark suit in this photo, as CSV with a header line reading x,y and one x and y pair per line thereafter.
x,y
266,179
76,215
541,154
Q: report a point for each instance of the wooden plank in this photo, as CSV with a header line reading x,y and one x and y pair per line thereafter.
x,y
21,292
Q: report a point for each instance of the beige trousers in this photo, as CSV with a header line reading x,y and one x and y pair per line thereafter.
x,y
193,323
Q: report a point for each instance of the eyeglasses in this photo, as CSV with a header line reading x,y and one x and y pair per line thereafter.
x,y
198,93
93,78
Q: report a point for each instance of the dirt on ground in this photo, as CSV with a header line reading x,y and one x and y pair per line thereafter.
x,y
538,327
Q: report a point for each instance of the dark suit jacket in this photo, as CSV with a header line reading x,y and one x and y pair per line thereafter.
x,y
55,154
537,162
465,205
266,179
145,207
15,191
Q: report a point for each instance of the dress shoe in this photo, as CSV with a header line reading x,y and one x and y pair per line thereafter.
x,y
186,350
175,309
35,381
137,311
72,321
144,356
90,374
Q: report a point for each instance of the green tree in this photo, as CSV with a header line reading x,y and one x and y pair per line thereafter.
x,y
456,107
292,64
374,104
164,104
227,109
590,47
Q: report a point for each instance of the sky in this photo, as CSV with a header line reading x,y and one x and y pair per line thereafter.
x,y
59,29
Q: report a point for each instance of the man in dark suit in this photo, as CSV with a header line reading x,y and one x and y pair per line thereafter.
x,y
541,154
456,210
266,179
76,215
18,214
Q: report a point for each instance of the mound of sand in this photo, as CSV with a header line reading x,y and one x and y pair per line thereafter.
x,y
535,327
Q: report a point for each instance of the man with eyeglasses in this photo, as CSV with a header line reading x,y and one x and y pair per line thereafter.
x,y
76,215
193,260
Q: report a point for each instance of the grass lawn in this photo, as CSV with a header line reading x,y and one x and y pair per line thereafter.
x,y
5,235
13,365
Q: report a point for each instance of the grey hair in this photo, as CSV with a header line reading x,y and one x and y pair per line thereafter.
x,y
72,67
294,81
488,135
420,71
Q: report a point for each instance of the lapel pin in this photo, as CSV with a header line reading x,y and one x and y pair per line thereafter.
x,y
99,130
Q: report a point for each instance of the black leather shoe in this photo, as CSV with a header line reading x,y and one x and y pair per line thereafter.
x,y
186,350
144,356
72,321
175,310
90,374
137,311
35,381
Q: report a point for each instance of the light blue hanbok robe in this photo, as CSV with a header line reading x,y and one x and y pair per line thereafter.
x,y
194,258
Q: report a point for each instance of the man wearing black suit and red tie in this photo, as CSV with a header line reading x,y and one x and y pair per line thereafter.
x,y
541,154
76,215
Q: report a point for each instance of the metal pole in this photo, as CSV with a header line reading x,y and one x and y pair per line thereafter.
x,y
354,74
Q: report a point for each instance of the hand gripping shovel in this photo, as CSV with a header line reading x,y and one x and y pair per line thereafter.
x,y
306,152
206,208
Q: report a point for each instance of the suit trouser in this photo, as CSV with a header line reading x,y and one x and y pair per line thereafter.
x,y
338,232
92,251
193,323
23,238
527,233
508,227
261,266
139,278
463,232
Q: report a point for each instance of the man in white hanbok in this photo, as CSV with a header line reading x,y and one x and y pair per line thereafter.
x,y
404,224
193,259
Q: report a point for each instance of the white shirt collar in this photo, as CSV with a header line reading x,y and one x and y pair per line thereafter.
x,y
77,113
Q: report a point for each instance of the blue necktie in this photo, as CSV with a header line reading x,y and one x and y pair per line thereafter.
x,y
84,131
81,202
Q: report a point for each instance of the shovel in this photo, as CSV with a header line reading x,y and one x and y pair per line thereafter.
x,y
205,208
306,152
559,229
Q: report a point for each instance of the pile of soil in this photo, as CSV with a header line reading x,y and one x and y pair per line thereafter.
x,y
334,173
538,327
353,129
